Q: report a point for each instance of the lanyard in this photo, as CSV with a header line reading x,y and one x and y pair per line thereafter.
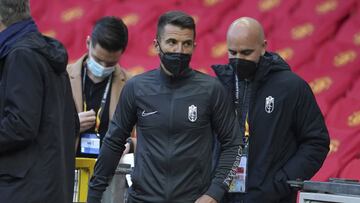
x,y
237,103
102,104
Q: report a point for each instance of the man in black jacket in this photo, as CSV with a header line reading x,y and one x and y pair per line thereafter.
x,y
37,113
281,124
176,109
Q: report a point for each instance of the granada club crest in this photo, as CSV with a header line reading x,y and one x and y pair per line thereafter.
x,y
192,114
269,104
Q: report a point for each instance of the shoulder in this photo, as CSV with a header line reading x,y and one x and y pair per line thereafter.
x,y
206,79
285,78
24,53
209,83
148,75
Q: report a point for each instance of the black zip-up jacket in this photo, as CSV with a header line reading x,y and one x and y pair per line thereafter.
x,y
175,120
38,123
288,137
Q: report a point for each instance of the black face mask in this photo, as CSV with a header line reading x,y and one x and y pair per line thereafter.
x,y
175,63
244,69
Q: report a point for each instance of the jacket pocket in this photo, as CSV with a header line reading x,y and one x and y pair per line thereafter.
x,y
275,187
17,164
280,184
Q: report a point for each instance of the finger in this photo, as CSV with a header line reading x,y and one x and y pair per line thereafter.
x,y
87,119
86,126
87,123
87,113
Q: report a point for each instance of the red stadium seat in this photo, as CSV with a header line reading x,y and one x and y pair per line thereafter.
x,y
324,10
296,29
355,90
295,54
327,87
350,31
343,148
345,115
338,56
352,169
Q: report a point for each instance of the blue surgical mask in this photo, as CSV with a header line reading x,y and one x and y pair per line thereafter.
x,y
97,69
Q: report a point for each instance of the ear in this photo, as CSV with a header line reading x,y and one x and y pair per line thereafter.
x,y
156,45
264,47
2,26
88,40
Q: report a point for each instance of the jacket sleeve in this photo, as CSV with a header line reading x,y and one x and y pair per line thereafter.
x,y
227,128
113,144
22,102
311,135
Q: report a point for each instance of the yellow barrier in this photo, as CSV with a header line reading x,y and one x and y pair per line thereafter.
x,y
85,168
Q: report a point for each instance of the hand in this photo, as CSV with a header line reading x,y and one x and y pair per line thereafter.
x,y
87,120
205,199
127,149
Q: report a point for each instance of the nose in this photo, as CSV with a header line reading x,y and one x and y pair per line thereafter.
x,y
179,48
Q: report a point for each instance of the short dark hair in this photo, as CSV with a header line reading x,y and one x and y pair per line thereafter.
x,y
12,11
111,33
177,18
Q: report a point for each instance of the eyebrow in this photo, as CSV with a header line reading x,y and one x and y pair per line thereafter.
x,y
189,41
170,39
173,39
241,51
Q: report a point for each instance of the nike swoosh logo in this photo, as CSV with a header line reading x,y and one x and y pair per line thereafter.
x,y
144,114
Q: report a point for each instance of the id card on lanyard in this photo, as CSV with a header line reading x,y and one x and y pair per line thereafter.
x,y
239,182
90,142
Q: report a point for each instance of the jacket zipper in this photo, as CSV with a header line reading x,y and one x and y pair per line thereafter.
x,y
246,101
169,144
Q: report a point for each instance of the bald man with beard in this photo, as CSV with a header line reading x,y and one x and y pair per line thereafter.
x,y
283,128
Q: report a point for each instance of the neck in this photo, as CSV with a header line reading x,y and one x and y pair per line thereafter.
x,y
94,78
2,27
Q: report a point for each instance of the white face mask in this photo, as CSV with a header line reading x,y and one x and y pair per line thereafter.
x,y
97,69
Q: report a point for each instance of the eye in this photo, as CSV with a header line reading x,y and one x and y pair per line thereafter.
x,y
171,42
232,52
188,44
247,52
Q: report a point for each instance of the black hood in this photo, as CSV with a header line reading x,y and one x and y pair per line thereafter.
x,y
51,49
269,63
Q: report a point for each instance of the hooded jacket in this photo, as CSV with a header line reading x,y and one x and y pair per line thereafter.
x,y
288,137
38,123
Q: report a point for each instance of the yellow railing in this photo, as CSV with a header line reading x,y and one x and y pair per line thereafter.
x,y
85,167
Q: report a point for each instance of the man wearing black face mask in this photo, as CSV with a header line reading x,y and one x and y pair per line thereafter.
x,y
176,64
176,110
280,122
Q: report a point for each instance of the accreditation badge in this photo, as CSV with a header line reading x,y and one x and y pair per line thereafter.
x,y
238,184
90,143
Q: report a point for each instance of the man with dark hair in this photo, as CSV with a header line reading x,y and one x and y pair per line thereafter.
x,y
176,110
282,126
38,121
96,81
